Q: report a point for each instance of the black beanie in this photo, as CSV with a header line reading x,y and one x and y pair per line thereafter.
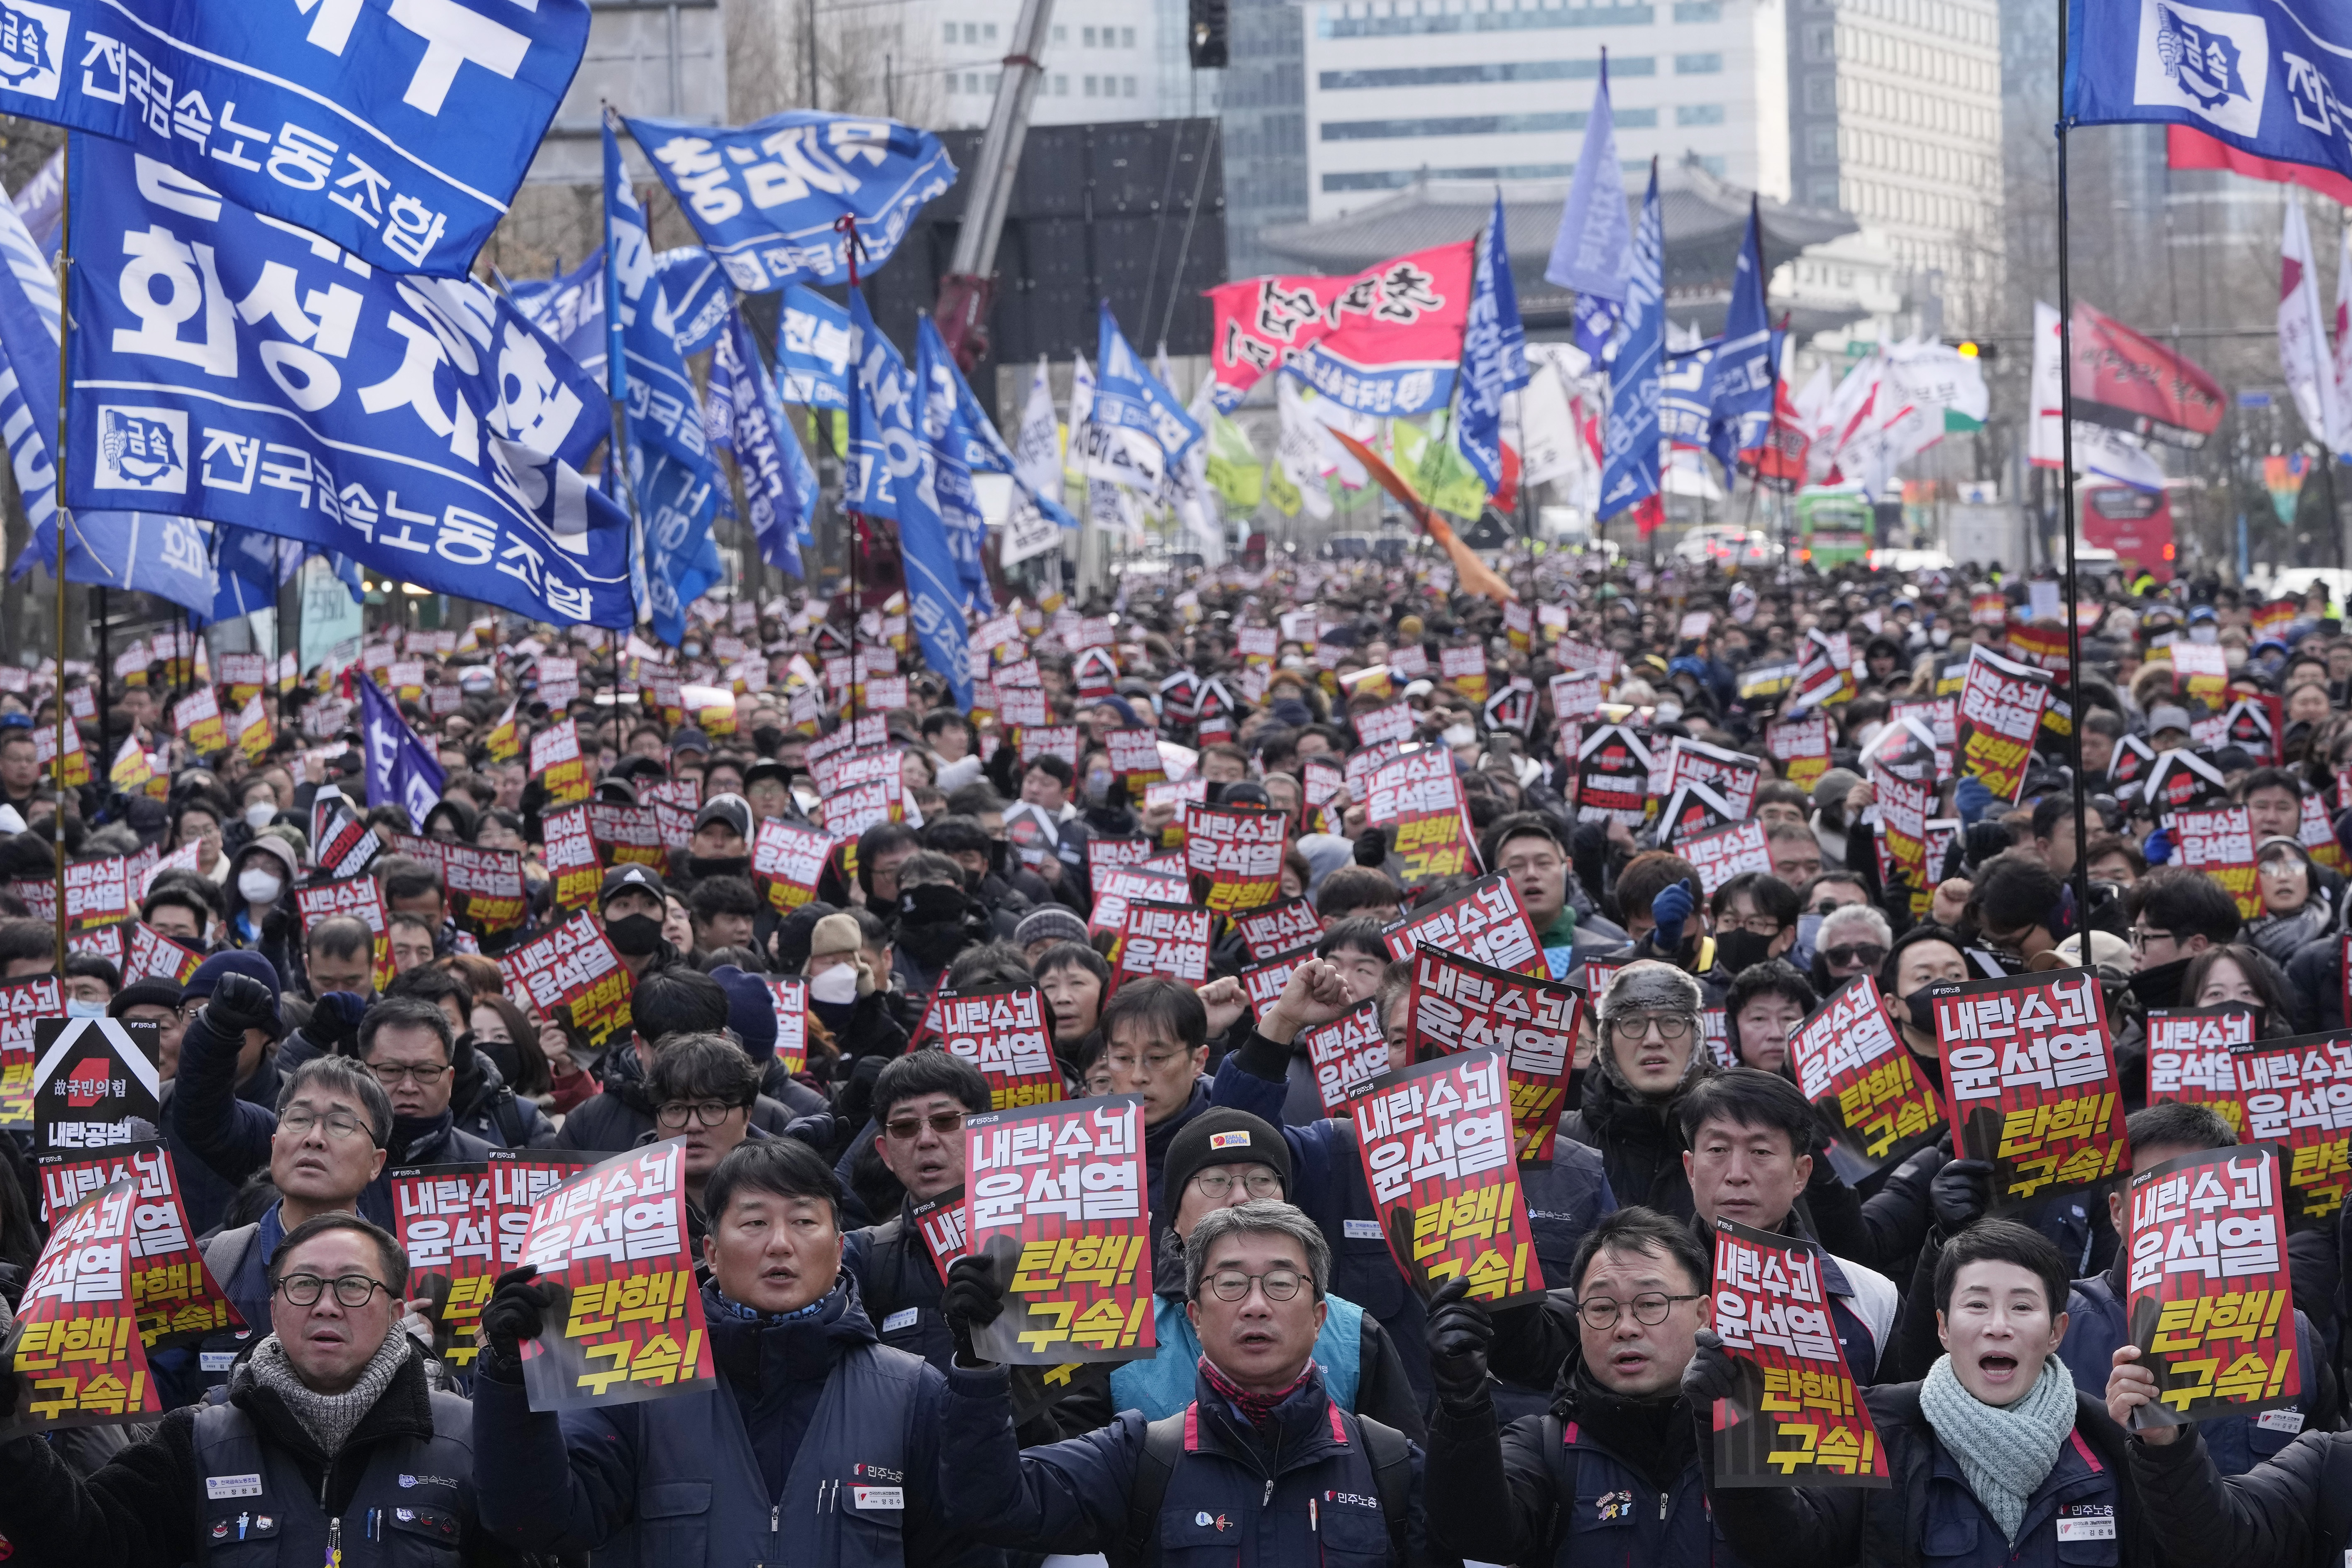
x,y
1220,1136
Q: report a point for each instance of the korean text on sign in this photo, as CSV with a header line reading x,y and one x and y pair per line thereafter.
x,y
1485,921
1795,1417
175,1297
2210,1305
575,970
1004,1033
2191,1057
78,1350
1234,853
1170,940
2298,1094
1458,1005
1057,1195
1436,1141
447,1225
2031,1079
1850,1062
630,1325
1347,1053
21,1003
2219,844
2000,709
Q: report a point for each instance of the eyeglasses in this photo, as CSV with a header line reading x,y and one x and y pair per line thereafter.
x,y
1650,1308
1672,1028
1257,1184
338,1123
1233,1285
706,1113
2141,936
425,1075
1533,866
351,1290
1755,925
1156,1063
1869,954
907,1128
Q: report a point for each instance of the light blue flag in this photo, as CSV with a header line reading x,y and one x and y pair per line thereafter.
x,y
225,367
699,295
1494,353
883,436
399,769
1593,251
765,197
1139,429
1629,464
2272,77
1683,395
153,554
397,129
813,350
1740,378
677,485
949,443
570,309
742,425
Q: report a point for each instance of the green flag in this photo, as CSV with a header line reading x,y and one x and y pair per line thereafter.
x,y
1437,472
1236,470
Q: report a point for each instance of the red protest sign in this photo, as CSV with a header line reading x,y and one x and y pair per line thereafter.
x,y
575,971
941,1222
1458,1006
197,719
1263,983
1850,1062
1613,776
1802,747
557,762
1057,1195
485,885
1278,927
2191,1057
786,860
790,999
1234,853
77,1346
22,1004
1435,843
175,1296
1170,940
1484,921
1435,1142
1004,1033
627,1322
97,892
2001,705
1347,1053
1726,853
572,859
1391,721
2221,844
358,897
1693,811
449,1228
2030,1076
1729,774
1124,885
2208,1300
1795,1417
1135,756
2298,1094
627,835
518,1179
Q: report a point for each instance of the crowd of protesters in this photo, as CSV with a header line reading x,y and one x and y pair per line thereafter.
x,y
1305,1404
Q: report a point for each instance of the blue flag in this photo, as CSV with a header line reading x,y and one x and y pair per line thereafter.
x,y
1137,430
743,423
764,197
400,769
1494,355
695,289
398,130
165,556
801,473
570,309
1629,466
889,456
947,443
669,466
1593,251
813,350
2272,77
1739,378
225,367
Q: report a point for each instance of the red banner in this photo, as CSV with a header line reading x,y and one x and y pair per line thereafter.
x,y
1435,1142
571,857
2032,1077
2298,1094
1004,1033
1409,310
573,970
1848,1061
1346,1054
1484,921
1234,853
1458,1006
449,1228
1795,1417
2191,1057
2210,1304
1801,746
2129,381
2001,706
175,1297
786,860
76,1344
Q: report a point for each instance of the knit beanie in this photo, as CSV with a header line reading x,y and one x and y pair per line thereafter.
x,y
1051,922
1221,1136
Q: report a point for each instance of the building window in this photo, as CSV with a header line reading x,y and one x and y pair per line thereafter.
x,y
1061,34
1090,37
1495,21
988,32
1090,86
1822,193
1820,143
1471,75
1126,37
1699,64
972,32
1475,124
1820,41
1061,86
951,32
1699,10
1127,86
1698,114
1821,95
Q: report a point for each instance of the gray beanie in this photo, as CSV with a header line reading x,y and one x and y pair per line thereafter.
x,y
1049,922
1650,986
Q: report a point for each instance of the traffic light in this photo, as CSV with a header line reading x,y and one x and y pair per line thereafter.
x,y
1210,19
1968,348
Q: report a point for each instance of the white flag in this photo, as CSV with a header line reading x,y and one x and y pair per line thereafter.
x,y
2100,452
2304,358
1300,449
2340,441
1037,444
1549,446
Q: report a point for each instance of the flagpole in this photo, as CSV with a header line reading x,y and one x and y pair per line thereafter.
x,y
2066,487
847,225
65,329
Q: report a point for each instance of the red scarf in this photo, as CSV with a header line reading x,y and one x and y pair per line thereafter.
x,y
1257,1408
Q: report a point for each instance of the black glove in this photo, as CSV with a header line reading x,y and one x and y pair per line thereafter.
x,y
821,1130
335,1023
1960,1193
240,1003
972,1299
516,1312
1372,847
1460,1331
1711,1375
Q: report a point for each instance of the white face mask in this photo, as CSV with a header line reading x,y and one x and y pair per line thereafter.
x,y
838,983
261,813
258,887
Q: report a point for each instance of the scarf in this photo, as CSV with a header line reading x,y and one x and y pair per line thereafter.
x,y
329,1419
1257,1409
743,1314
2005,1451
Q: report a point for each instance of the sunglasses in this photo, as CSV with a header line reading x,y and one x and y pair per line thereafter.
x,y
1868,953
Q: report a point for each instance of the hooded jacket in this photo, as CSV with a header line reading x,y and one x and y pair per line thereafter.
x,y
1640,1141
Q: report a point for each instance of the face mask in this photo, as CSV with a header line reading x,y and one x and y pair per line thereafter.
x,y
1669,711
1808,930
1922,1008
768,738
635,936
692,650
2205,632
1940,638
933,904
1736,950
258,887
837,985
76,1007
1461,735
261,813
1098,783
701,865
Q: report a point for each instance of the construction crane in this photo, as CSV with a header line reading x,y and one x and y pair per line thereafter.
x,y
969,287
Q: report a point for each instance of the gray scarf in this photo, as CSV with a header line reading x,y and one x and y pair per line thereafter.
x,y
2005,1451
330,1418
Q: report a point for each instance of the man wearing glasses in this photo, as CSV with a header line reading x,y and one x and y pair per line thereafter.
x,y
331,1445
703,1087
1260,1464
919,1101
1649,1058
1611,1473
1528,849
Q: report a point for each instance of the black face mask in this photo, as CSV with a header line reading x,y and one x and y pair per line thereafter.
x,y
1737,949
768,738
701,865
1922,1009
933,904
635,936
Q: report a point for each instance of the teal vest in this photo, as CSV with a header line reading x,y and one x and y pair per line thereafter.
x,y
1164,1384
